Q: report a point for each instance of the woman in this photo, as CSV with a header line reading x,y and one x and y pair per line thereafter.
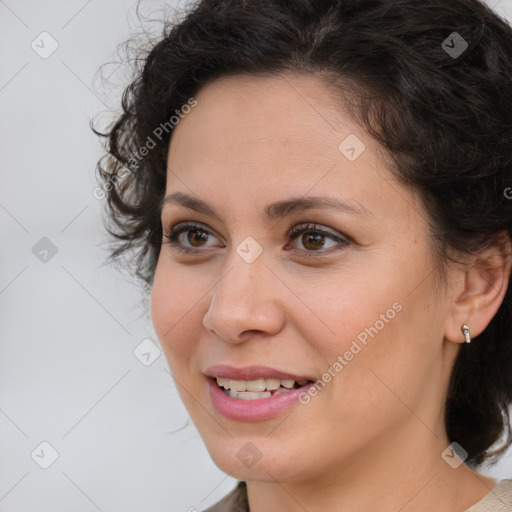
x,y
316,194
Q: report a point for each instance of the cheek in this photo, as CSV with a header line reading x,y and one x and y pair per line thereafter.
x,y
175,312
354,308
163,304
362,327
380,351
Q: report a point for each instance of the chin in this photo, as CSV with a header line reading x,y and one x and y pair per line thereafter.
x,y
246,459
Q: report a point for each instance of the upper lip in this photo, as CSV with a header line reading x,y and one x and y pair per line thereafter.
x,y
252,373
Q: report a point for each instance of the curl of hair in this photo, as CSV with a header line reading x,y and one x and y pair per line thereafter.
x,y
446,124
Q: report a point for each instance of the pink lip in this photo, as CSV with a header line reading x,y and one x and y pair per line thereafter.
x,y
254,410
252,373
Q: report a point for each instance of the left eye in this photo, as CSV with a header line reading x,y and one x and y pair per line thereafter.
x,y
314,237
197,235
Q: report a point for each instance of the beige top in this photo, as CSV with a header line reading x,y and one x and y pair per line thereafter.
x,y
498,500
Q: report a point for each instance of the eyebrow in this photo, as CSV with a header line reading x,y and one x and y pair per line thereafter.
x,y
273,211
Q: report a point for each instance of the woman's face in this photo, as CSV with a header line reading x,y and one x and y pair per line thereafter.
x,y
352,298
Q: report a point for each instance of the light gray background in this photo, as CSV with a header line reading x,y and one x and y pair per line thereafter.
x,y
69,326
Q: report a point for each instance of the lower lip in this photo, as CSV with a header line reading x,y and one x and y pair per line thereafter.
x,y
253,410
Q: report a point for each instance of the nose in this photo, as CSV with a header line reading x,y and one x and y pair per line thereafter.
x,y
245,302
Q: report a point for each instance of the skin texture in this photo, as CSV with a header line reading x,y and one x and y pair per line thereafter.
x,y
373,437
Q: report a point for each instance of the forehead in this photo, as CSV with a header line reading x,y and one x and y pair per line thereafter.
x,y
286,124
281,108
269,138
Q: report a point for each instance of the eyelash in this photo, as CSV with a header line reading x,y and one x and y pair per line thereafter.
x,y
176,230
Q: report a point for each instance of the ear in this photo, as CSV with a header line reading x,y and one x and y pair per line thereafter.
x,y
481,287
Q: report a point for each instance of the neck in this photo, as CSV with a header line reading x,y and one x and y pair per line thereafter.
x,y
395,475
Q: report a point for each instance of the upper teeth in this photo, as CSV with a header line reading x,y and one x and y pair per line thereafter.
x,y
256,385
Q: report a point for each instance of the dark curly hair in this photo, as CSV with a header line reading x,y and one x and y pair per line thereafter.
x,y
444,119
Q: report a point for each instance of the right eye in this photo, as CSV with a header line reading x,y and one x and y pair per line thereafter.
x,y
196,234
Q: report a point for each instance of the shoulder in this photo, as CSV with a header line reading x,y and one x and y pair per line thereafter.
x,y
498,500
235,501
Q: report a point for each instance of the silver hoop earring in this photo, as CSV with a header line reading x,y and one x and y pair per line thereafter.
x,y
466,333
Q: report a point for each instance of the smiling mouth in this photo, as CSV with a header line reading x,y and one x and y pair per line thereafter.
x,y
258,388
